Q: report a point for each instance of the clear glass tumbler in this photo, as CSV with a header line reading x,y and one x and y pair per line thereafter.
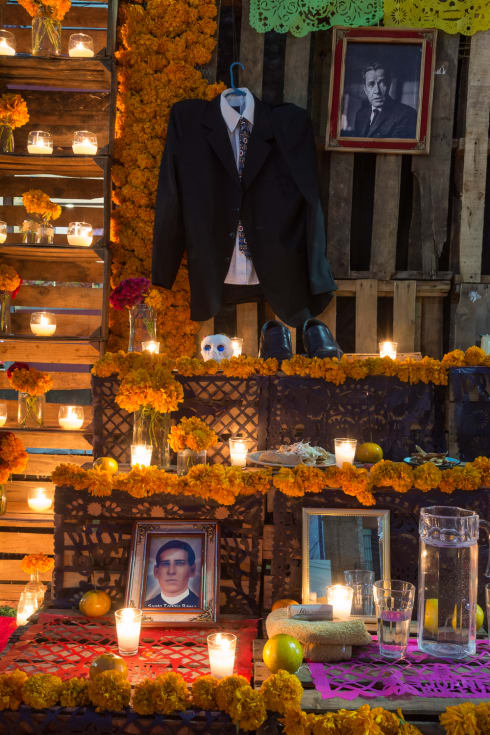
x,y
394,605
361,581
487,598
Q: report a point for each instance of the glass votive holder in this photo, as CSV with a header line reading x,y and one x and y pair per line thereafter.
x,y
128,629
80,233
394,605
40,142
27,605
71,417
3,232
81,45
487,600
345,451
340,597
221,652
238,450
237,346
43,324
141,455
40,499
361,581
84,143
7,43
151,346
3,414
388,349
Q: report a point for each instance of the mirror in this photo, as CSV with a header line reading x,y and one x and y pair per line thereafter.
x,y
349,547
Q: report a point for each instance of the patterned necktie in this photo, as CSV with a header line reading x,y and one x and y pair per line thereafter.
x,y
243,136
374,115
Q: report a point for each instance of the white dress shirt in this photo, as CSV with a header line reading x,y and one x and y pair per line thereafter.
x,y
241,271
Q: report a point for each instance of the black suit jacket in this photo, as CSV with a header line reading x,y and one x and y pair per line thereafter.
x,y
191,600
200,200
395,120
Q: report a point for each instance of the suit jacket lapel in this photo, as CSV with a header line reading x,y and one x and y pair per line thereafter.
x,y
218,136
259,146
381,117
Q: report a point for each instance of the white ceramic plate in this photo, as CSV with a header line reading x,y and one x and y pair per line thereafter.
x,y
255,457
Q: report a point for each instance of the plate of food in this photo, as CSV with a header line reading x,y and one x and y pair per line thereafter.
x,y
439,459
291,455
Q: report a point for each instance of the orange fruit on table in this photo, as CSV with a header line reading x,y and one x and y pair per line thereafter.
x,y
284,602
108,662
369,452
107,464
95,603
283,651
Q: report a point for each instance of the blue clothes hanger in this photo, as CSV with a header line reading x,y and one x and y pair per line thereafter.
x,y
234,90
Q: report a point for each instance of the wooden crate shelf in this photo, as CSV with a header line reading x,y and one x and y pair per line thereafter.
x,y
60,73
81,352
59,164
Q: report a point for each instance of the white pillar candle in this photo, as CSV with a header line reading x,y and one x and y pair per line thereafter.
x,y
151,346
3,237
237,346
221,651
43,324
39,499
340,597
3,231
84,143
141,455
238,451
40,142
80,234
128,628
3,414
388,349
71,417
26,607
80,45
345,451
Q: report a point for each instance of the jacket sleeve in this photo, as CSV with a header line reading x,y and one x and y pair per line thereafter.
x,y
168,233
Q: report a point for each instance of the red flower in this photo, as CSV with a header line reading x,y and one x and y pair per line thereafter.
x,y
129,292
14,293
17,366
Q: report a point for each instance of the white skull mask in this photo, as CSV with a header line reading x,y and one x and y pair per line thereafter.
x,y
216,347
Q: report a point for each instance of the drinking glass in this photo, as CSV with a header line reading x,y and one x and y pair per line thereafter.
x,y
361,581
394,605
487,597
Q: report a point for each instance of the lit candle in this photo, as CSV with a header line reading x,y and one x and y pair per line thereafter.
x,y
238,450
7,43
345,451
70,417
80,233
141,455
80,45
84,143
236,346
221,651
3,414
40,142
485,343
3,231
39,499
26,607
340,597
388,349
43,324
151,346
128,628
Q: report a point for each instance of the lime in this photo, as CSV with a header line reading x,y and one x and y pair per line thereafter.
x,y
369,452
283,652
108,662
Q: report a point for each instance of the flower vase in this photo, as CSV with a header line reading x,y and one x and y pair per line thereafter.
x,y
47,233
7,144
31,232
3,500
30,410
46,35
142,326
152,427
37,587
5,327
187,458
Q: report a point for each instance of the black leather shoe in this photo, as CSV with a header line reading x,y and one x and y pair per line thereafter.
x,y
275,341
319,341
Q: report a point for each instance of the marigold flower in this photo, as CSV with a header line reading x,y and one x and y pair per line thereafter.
x,y
109,691
143,698
281,691
226,689
170,693
37,563
460,720
74,693
11,684
13,456
191,433
204,693
13,110
474,356
9,278
247,708
41,691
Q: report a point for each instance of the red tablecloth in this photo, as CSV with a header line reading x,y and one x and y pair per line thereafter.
x,y
7,627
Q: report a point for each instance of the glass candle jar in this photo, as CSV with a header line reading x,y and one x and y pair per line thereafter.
x,y
70,417
3,232
27,606
3,414
81,45
7,43
40,142
84,143
237,346
151,346
388,349
40,499
43,324
238,450
345,451
80,234
221,652
141,455
340,597
128,628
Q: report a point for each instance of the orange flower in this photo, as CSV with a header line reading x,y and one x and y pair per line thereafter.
x,y
13,110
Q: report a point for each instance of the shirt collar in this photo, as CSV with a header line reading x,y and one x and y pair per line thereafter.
x,y
174,600
231,116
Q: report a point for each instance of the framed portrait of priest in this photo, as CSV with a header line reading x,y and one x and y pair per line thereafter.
x,y
173,572
381,86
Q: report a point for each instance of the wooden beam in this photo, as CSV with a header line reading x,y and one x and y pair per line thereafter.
x,y
367,316
385,215
472,316
60,297
44,464
251,54
26,543
60,165
246,322
339,212
11,569
69,353
432,327
404,315
296,69
61,381
87,74
54,439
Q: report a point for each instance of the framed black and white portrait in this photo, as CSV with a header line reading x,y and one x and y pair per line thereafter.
x,y
173,571
381,90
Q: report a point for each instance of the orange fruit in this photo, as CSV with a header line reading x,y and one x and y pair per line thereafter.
x,y
107,464
284,602
95,603
283,652
369,452
108,662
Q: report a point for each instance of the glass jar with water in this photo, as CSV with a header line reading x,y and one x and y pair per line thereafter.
x,y
448,581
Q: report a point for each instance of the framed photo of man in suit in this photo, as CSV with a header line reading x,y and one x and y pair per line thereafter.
x,y
173,572
381,87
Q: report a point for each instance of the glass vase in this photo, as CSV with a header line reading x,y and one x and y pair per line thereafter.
x,y
46,233
7,144
30,410
152,427
5,327
3,500
36,587
187,458
46,35
142,326
31,232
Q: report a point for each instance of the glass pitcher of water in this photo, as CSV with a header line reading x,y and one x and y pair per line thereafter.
x,y
448,581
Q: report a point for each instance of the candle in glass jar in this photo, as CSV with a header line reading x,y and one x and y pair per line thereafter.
x,y
40,142
43,324
3,231
26,607
70,417
388,349
141,455
238,450
7,43
485,343
80,45
3,414
221,651
237,346
151,346
39,500
345,451
128,628
84,143
340,597
80,234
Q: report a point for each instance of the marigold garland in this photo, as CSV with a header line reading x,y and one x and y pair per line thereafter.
x,y
191,433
